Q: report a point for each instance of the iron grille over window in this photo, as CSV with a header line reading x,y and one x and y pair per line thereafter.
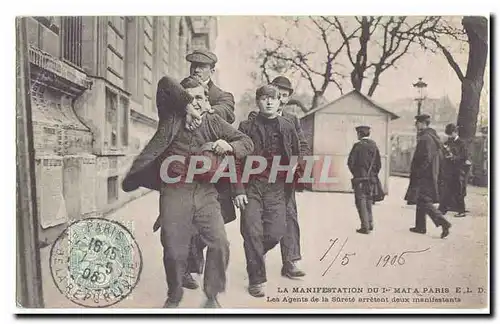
x,y
72,39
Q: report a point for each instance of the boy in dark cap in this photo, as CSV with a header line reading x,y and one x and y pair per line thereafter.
x,y
290,243
364,164
263,202
455,173
423,189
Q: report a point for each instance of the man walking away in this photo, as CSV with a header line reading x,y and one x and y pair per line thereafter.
x,y
423,189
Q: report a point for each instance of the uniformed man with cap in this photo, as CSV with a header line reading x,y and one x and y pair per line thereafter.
x,y
290,243
426,165
364,164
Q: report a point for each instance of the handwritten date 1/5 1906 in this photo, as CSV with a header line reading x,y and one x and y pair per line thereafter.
x,y
385,260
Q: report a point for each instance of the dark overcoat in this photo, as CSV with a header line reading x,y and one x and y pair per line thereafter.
x,y
365,154
425,168
455,171
222,102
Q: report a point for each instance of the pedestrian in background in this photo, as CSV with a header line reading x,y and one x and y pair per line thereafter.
x,y
456,171
425,174
364,164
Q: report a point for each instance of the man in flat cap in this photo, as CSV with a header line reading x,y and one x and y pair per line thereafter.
x,y
203,67
425,175
263,201
364,164
187,207
290,243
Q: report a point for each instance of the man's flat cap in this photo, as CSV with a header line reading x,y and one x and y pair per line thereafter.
x,y
267,90
202,56
362,128
282,82
423,118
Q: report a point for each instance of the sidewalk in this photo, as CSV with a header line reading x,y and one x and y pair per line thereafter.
x,y
457,261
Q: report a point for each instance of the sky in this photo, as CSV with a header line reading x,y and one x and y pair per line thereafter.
x,y
237,42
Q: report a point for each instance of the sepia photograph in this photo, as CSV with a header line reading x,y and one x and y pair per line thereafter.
x,y
253,163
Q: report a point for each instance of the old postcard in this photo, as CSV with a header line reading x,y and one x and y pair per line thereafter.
x,y
286,163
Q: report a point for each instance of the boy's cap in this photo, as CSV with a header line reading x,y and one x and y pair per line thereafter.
x,y
267,90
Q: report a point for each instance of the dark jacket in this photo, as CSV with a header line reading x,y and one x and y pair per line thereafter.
x,y
425,167
222,102
145,170
171,101
304,146
364,163
255,130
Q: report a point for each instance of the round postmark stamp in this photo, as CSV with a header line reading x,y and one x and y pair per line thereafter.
x,y
95,262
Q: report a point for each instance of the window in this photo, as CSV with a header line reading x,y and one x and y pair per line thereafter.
x,y
147,71
72,39
124,121
49,22
182,48
110,139
112,189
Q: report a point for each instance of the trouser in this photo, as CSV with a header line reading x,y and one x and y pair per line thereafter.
x,y
364,204
263,224
290,243
196,258
185,209
426,207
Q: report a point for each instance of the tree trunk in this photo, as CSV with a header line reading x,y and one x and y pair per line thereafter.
x,y
358,72
477,33
317,99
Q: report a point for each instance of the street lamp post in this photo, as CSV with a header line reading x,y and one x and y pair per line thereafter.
x,y
420,86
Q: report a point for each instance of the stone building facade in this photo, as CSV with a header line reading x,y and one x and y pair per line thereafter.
x,y
93,85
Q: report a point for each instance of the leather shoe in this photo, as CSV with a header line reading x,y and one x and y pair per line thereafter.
x,y
291,270
212,302
189,282
174,299
446,230
417,230
363,231
170,303
256,290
